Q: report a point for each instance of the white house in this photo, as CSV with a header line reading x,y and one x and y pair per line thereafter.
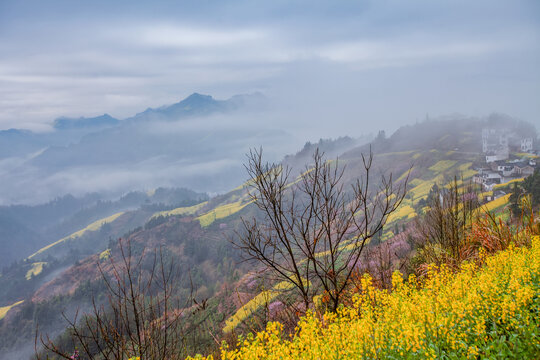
x,y
526,144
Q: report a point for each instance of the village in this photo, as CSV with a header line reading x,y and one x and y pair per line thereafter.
x,y
508,157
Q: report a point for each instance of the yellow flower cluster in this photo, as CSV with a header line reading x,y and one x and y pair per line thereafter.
x,y
491,311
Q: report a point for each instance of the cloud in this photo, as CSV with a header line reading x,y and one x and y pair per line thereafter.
x,y
174,36
403,52
203,154
81,60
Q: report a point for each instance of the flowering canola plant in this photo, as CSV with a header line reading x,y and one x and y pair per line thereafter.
x,y
488,311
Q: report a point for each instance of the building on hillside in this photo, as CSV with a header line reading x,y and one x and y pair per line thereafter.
x,y
501,154
487,178
494,195
504,168
500,172
499,142
523,168
494,139
527,145
498,194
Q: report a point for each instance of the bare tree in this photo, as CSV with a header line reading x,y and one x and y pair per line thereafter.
x,y
383,259
315,228
139,318
441,233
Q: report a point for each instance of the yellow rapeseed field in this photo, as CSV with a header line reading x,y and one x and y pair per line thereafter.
x,y
488,311
254,304
4,309
404,211
96,225
442,166
187,210
496,204
35,270
499,186
221,212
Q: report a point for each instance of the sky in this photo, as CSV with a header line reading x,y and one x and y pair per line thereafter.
x,y
328,68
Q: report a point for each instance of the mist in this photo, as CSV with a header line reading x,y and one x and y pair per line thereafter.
x,y
202,153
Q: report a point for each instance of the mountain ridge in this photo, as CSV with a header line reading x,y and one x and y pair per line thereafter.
x,y
151,149
65,123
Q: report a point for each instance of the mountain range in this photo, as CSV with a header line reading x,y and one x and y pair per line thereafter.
x,y
199,142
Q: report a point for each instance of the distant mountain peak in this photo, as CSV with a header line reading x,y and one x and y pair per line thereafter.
x,y
195,104
66,123
196,99
197,95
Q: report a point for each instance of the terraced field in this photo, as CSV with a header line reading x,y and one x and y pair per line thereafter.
x,y
188,210
221,212
500,186
96,225
252,306
403,212
4,309
497,204
442,165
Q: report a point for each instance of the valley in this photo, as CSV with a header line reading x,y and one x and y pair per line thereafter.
x,y
198,237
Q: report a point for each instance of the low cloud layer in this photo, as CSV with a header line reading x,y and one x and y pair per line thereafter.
x,y
202,153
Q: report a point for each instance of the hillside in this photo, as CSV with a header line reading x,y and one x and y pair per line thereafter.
x,y
491,311
24,229
197,236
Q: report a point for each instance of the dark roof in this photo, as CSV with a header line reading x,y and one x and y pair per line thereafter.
x,y
522,164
